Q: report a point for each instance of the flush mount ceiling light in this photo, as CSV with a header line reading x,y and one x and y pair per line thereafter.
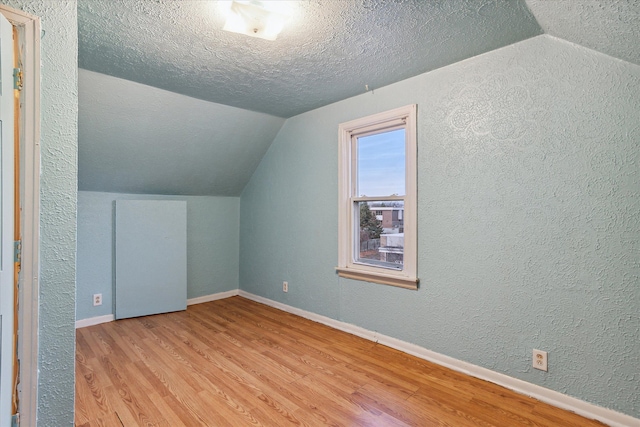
x,y
262,19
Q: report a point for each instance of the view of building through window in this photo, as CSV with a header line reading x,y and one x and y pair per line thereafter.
x,y
382,233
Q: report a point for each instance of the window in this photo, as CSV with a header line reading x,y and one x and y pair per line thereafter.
x,y
378,190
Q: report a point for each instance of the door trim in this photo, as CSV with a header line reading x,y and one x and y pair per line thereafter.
x,y
28,27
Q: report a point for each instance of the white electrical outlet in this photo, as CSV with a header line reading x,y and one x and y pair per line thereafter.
x,y
540,360
97,299
285,287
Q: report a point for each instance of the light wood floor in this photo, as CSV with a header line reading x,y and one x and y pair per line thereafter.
x,y
235,362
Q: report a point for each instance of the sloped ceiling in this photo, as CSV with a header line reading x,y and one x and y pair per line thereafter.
x,y
206,104
139,139
329,50
608,26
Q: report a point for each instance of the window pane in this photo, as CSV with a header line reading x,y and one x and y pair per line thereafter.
x,y
381,163
380,234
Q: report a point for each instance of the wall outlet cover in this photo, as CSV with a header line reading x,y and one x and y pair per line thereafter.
x,y
540,360
97,299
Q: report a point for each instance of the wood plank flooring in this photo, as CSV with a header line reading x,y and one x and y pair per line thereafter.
x,y
235,362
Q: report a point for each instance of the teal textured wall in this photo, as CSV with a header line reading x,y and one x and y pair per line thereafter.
x,y
58,183
212,247
529,185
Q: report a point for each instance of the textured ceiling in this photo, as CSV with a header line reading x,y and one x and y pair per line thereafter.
x,y
328,51
608,26
144,126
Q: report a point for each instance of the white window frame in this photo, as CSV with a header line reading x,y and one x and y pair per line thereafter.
x,y
348,199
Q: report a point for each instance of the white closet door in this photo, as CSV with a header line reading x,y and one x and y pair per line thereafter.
x,y
151,257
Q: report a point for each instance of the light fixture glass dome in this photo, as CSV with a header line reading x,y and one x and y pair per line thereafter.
x,y
262,19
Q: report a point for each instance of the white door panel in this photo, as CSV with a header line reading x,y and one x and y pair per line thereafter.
x,y
151,257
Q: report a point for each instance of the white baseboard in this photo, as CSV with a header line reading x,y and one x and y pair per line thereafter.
x,y
580,407
198,300
213,297
94,321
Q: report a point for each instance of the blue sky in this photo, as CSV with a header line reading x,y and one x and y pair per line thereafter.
x,y
381,161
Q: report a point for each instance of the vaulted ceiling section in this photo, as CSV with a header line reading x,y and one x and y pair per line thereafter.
x,y
171,104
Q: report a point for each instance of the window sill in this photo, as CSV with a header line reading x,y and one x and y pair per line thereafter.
x,y
383,279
